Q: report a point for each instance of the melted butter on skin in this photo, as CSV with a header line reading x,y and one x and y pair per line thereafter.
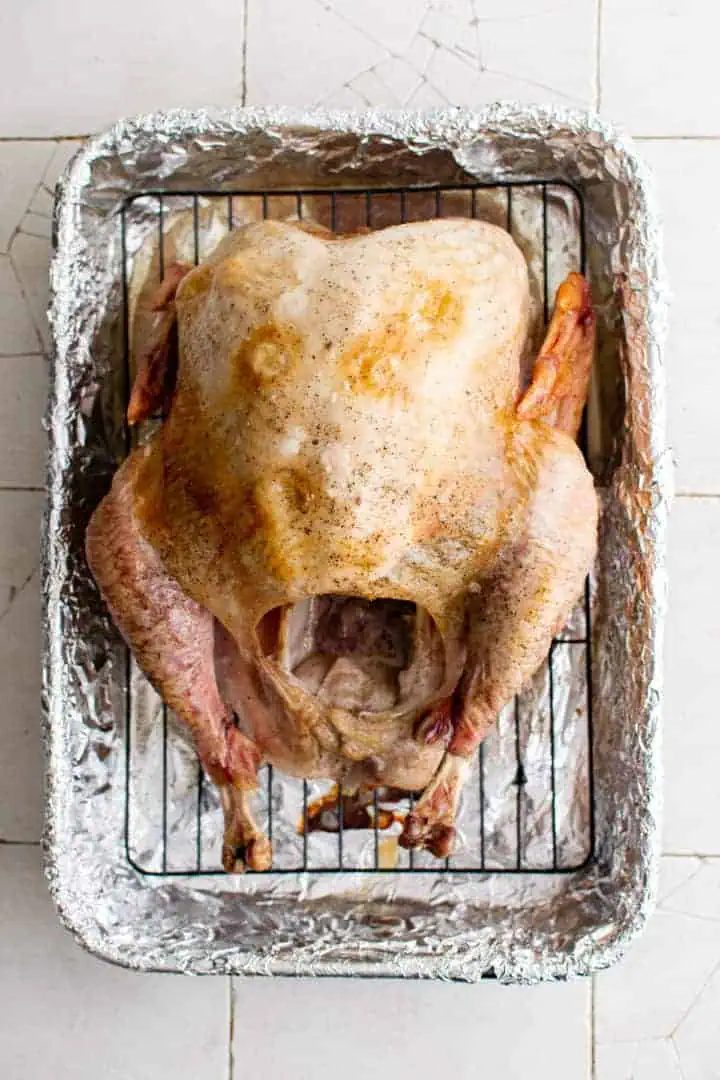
x,y
336,461
290,444
269,354
378,361
195,284
251,272
277,499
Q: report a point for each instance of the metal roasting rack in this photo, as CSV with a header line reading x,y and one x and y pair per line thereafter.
x,y
205,817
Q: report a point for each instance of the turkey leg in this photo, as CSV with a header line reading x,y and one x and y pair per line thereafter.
x,y
173,639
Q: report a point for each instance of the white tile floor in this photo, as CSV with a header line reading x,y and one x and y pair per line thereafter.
x,y
656,1016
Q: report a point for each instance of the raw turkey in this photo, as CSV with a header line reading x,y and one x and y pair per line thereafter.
x,y
364,514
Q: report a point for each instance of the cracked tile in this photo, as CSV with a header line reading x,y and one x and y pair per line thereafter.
x,y
636,89
335,53
31,258
399,78
426,96
700,894
21,761
698,1037
22,165
63,154
691,735
22,407
655,1060
502,1031
523,52
20,523
371,89
419,53
649,994
546,55
86,1017
675,871
42,202
391,24
348,98
17,333
455,79
99,68
448,26
37,225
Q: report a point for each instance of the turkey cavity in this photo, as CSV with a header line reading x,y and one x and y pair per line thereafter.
x,y
357,654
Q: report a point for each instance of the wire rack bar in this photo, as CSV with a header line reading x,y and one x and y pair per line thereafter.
x,y
204,799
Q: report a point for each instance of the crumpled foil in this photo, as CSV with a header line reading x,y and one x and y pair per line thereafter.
x,y
454,925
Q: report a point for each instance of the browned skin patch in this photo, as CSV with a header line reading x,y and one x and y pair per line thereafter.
x,y
373,362
435,303
365,554
254,273
268,354
195,284
284,500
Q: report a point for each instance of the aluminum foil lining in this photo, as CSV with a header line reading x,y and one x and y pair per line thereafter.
x,y
460,925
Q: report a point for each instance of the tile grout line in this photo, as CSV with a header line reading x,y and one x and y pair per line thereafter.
x,y
593,1032
690,855
23,355
43,138
20,843
598,52
243,88
22,489
20,283
637,136
17,229
676,138
231,1030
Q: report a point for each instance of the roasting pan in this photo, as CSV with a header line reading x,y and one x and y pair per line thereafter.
x,y
556,864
